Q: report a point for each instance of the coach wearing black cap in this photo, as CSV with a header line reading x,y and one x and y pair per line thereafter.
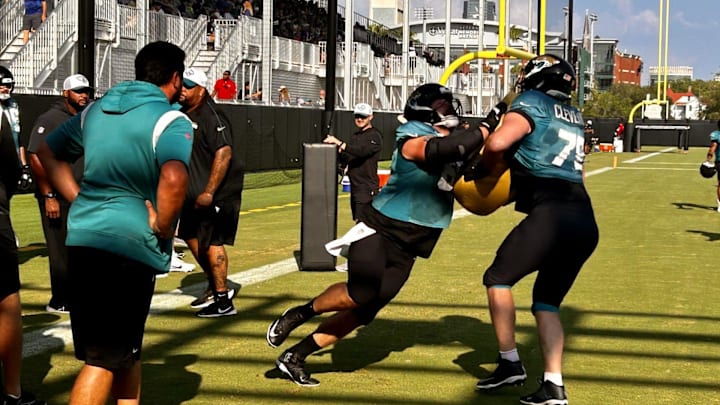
x,y
53,207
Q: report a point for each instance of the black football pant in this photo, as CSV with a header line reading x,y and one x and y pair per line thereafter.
x,y
55,231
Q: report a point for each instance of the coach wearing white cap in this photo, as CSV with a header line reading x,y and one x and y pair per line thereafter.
x,y
53,207
210,215
359,159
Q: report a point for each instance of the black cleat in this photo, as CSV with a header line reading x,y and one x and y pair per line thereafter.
x,y
208,298
279,330
26,398
547,394
217,309
506,373
294,368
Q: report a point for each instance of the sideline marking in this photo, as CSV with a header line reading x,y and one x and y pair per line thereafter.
x,y
38,341
41,340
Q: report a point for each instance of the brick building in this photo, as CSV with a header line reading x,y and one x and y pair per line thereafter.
x,y
628,68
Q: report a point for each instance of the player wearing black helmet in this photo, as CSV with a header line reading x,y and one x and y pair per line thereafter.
x,y
10,309
405,221
11,110
543,137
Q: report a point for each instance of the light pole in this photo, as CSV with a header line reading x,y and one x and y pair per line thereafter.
x,y
566,52
593,18
481,47
424,13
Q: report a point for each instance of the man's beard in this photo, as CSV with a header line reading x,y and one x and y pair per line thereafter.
x,y
76,106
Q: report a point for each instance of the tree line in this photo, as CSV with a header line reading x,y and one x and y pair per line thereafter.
x,y
621,98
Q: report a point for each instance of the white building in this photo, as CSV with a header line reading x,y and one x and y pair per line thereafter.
x,y
673,73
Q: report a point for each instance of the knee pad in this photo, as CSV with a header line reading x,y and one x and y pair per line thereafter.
x,y
540,306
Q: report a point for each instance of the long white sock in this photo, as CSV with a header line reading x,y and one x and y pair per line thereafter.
x,y
555,378
510,355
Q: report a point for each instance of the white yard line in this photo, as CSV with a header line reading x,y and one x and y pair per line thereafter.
x,y
37,341
40,340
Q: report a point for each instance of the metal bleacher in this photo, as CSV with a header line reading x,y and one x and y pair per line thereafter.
x,y
120,31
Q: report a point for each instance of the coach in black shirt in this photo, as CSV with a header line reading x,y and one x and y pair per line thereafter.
x,y
54,208
360,157
210,215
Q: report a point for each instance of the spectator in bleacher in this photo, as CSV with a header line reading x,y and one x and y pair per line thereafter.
x,y
247,8
283,95
321,98
157,7
35,14
225,88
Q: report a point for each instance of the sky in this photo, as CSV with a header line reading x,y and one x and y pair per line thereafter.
x,y
692,36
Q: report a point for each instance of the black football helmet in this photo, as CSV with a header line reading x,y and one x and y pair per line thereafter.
x,y
707,169
6,78
434,104
549,74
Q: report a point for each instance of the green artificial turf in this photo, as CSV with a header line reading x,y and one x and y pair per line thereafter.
x,y
642,321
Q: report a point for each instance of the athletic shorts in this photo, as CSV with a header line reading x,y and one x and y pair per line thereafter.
x,y
109,304
31,22
9,269
377,270
213,226
555,240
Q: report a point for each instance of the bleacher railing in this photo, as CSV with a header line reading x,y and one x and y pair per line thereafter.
x,y
10,21
295,56
42,52
167,27
228,40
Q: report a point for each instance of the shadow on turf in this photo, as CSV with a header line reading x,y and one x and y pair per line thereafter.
x,y
692,206
31,251
377,341
171,372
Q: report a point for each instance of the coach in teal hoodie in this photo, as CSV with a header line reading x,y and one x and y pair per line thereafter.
x,y
120,226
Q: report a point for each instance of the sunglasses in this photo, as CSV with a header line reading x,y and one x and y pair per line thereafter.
x,y
188,84
360,117
81,91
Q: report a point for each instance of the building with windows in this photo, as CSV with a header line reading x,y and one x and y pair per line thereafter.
x,y
603,61
472,7
387,12
673,73
628,68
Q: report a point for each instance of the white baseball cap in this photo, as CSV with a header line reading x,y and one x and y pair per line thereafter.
x,y
363,109
76,82
195,77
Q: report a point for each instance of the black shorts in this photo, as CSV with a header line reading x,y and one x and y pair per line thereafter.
x,y
213,226
109,304
377,270
31,22
9,269
555,240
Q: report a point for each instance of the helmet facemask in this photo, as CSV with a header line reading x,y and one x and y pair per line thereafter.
x,y
446,113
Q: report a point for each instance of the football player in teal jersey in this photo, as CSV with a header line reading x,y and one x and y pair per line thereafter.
x,y
713,156
405,221
542,139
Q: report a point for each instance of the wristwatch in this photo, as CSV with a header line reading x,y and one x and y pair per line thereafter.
x,y
51,194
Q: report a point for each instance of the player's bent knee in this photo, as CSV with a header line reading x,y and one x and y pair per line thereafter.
x,y
496,279
365,315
